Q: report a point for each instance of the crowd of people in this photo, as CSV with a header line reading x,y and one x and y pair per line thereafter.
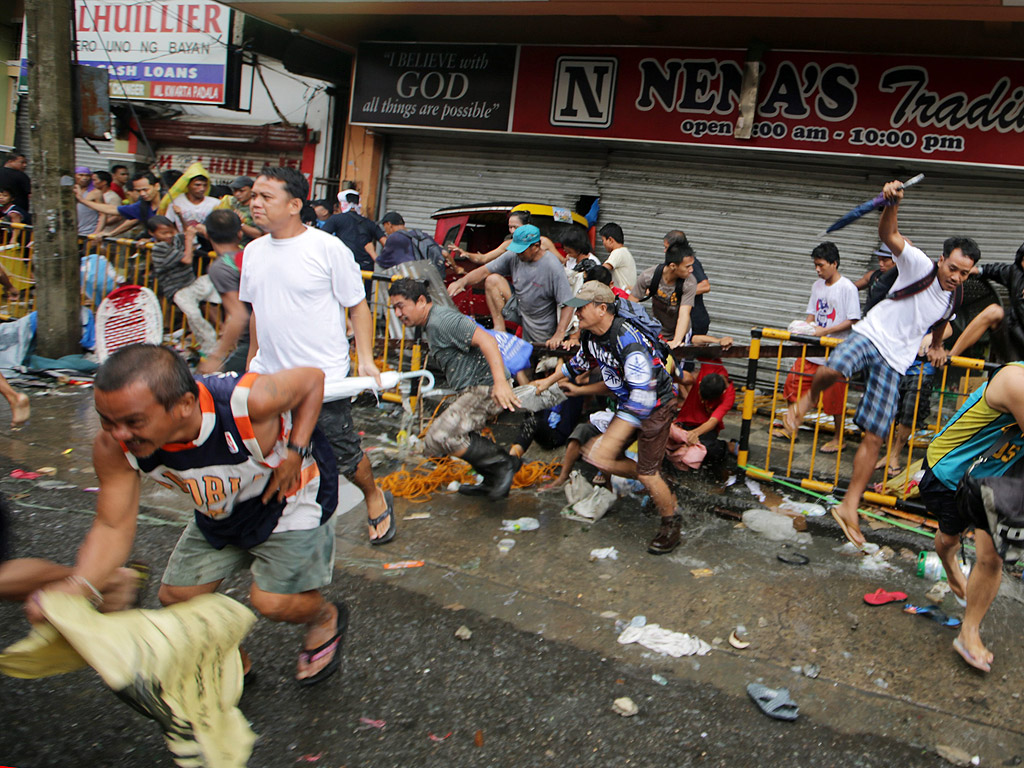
x,y
259,451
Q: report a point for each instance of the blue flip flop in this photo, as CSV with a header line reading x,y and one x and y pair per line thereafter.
x,y
933,613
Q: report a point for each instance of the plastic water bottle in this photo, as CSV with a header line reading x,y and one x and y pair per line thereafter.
x,y
929,566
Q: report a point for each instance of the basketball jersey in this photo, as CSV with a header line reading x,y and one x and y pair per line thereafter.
x,y
224,472
972,431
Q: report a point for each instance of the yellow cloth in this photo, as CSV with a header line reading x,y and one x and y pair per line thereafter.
x,y
181,185
180,666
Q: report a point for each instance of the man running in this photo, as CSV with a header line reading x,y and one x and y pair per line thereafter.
x,y
246,453
300,281
884,344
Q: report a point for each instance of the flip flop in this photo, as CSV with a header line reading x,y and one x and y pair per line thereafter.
x,y
774,703
332,645
832,449
845,527
881,597
969,657
389,512
933,613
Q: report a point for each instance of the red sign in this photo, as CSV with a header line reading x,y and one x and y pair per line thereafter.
x,y
933,108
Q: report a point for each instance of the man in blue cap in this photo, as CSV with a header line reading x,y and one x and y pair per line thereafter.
x,y
541,288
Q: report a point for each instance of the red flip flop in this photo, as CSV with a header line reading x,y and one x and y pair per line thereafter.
x,y
881,597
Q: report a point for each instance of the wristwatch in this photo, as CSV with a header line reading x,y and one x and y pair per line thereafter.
x,y
304,451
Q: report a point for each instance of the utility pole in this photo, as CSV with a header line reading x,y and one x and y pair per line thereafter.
x,y
55,260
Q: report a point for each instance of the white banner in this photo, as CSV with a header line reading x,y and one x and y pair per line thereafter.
x,y
157,51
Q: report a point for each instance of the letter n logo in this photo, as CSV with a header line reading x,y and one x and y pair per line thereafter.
x,y
584,92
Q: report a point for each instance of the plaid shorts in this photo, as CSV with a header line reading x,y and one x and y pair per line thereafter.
x,y
881,393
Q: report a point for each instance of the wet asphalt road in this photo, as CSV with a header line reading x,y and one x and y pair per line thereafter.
x,y
534,701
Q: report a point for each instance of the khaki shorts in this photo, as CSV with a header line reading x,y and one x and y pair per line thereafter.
x,y
654,430
287,563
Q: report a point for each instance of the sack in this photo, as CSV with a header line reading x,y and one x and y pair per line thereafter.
x,y
649,328
511,310
427,249
996,503
515,352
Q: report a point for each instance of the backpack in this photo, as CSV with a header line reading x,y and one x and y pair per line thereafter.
x,y
996,503
427,249
881,288
638,317
656,281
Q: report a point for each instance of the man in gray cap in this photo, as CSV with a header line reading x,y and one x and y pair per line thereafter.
x,y
646,404
241,188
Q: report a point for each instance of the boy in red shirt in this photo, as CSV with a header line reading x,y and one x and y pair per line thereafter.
x,y
703,411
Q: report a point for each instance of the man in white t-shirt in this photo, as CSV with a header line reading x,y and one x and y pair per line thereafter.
x,y
192,208
299,281
620,261
833,308
885,343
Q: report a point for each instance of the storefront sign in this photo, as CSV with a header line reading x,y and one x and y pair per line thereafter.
x,y
906,107
465,87
960,110
225,166
169,51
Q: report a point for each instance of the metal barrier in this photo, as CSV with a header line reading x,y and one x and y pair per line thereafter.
x,y
105,263
764,371
388,347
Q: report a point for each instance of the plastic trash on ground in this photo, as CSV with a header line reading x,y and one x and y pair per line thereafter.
x,y
520,524
773,526
606,553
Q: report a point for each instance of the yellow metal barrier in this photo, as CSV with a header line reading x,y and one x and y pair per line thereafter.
x,y
909,433
390,351
106,263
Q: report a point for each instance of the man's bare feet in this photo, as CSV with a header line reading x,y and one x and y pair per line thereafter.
x,y
973,651
794,415
849,520
20,410
893,468
322,643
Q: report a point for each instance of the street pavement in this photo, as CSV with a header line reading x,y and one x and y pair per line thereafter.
x,y
534,685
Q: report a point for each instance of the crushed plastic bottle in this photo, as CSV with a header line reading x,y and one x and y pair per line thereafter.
x,y
522,524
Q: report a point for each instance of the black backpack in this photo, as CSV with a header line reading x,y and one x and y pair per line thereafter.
x,y
996,503
881,289
427,249
656,281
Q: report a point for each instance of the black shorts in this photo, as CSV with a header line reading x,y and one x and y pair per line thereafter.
x,y
336,424
941,503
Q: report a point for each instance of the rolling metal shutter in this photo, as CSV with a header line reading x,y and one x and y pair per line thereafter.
x,y
427,173
753,223
753,219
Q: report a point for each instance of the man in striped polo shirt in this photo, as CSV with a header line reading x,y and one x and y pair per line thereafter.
x,y
472,365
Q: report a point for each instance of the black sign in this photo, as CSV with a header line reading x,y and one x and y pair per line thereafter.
x,y
434,85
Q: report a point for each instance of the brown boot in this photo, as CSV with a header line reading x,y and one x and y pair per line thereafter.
x,y
669,536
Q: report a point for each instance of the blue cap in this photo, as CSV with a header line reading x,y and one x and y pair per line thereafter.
x,y
523,238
